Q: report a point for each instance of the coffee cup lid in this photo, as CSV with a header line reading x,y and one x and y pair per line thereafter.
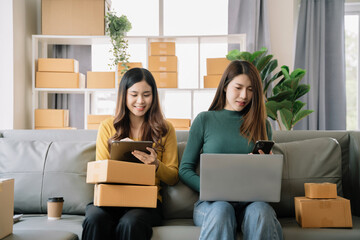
x,y
56,199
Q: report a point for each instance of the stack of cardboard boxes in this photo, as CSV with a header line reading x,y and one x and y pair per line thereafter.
x,y
163,64
100,80
215,68
93,121
52,119
122,184
58,73
322,208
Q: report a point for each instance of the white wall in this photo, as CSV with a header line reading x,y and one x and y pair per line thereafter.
x,y
6,66
27,16
283,20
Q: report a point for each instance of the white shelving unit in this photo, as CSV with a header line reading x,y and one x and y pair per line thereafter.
x,y
199,44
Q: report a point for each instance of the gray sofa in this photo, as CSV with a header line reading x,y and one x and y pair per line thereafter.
x,y
48,163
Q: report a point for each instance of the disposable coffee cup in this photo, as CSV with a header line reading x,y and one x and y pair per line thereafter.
x,y
54,207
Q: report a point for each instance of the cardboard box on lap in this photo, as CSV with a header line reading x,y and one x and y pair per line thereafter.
x,y
6,206
112,171
323,213
125,196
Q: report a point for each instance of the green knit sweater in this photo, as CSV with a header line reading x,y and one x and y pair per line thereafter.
x,y
213,132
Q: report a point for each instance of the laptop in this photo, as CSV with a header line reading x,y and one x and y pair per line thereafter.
x,y
240,177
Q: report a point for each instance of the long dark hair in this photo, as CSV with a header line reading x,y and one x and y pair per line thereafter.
x,y
154,126
254,125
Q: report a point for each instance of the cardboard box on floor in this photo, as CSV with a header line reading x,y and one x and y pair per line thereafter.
x,y
70,17
58,65
6,206
112,171
112,195
59,80
323,213
100,80
165,79
320,190
216,66
51,118
162,49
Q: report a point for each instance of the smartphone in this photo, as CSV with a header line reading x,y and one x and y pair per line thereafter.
x,y
264,145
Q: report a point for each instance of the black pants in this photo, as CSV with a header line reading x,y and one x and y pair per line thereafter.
x,y
120,223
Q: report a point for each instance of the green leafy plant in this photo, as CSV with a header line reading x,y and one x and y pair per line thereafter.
x,y
282,105
116,28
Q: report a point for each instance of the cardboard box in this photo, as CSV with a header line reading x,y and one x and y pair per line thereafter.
x,y
130,65
162,63
70,17
165,79
6,206
112,195
162,49
59,80
323,213
180,124
320,190
97,118
100,80
212,81
215,66
93,126
58,65
112,171
51,118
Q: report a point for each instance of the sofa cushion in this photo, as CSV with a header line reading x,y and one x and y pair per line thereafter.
x,y
313,160
65,175
178,200
24,161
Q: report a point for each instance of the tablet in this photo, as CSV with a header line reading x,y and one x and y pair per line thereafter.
x,y
121,150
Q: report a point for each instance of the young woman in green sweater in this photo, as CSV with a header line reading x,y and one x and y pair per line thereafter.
x,y
235,121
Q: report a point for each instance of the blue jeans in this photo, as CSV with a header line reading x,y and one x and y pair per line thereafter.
x,y
220,220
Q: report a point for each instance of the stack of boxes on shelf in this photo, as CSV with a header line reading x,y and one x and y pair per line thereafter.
x,y
215,67
93,121
322,208
122,184
100,80
163,64
58,73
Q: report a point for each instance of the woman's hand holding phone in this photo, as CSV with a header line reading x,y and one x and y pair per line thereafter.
x,y
263,147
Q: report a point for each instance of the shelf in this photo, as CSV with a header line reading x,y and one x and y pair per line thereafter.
x,y
191,68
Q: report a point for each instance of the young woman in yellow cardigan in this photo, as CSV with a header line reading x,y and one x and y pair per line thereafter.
x,y
138,117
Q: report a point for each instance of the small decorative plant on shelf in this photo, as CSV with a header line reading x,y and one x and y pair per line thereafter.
x,y
283,105
116,28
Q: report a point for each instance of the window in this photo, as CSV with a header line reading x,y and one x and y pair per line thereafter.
x,y
180,18
352,19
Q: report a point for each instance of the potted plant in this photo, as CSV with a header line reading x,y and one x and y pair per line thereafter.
x,y
116,28
283,105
